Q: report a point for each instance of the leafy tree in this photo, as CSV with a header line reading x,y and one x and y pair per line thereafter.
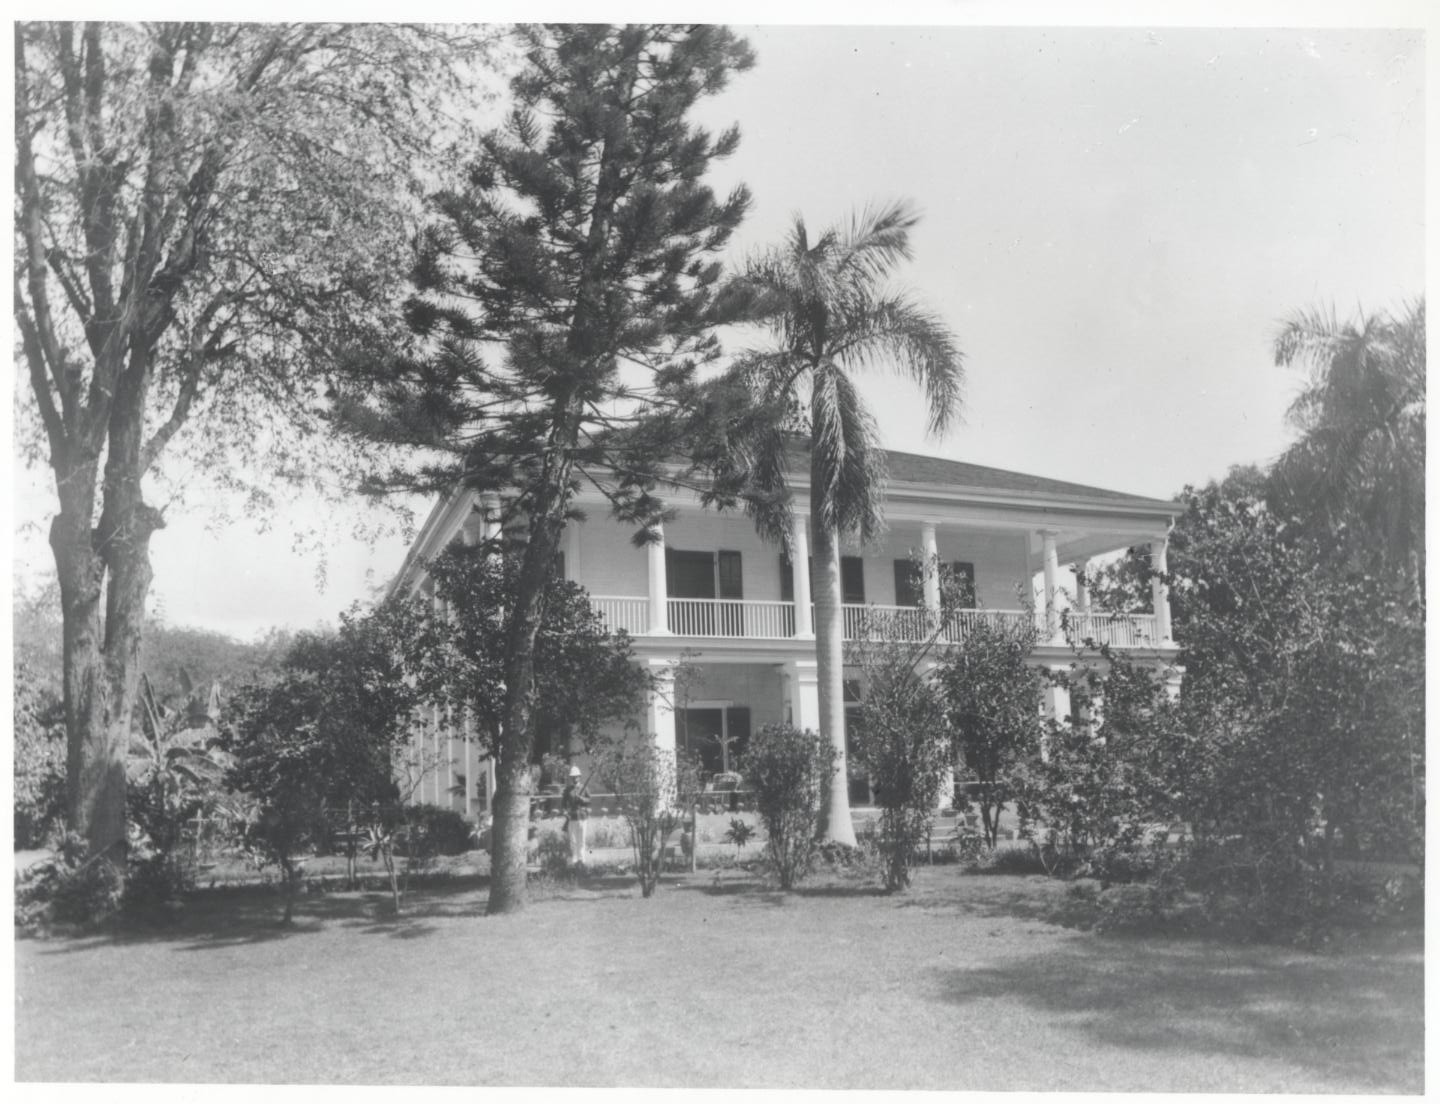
x,y
177,658
789,770
989,694
205,215
1308,680
330,731
565,293
1358,469
280,763
1301,719
588,677
831,315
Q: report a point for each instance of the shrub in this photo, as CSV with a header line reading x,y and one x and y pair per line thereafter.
x,y
552,854
905,747
654,789
39,727
788,770
67,888
739,833
1011,860
439,830
989,692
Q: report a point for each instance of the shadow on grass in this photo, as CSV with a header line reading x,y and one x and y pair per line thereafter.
x,y
1033,897
1356,1018
753,890
232,917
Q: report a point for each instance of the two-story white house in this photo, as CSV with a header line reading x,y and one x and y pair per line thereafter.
x,y
738,611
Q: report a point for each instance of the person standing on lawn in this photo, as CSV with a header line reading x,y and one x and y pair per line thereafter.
x,y
576,807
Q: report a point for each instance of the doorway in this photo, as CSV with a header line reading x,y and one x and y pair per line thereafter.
x,y
715,732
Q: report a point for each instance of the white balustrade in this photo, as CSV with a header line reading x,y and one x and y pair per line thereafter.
x,y
763,620
1119,630
630,614
731,617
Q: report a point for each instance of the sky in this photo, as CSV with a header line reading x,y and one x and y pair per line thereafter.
x,y
1116,221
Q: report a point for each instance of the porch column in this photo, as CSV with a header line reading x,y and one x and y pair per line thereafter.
x,y
660,712
1056,704
1082,586
659,624
800,572
1051,567
1160,591
932,566
803,683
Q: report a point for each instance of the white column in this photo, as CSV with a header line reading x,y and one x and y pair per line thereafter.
x,y
1051,567
660,715
800,573
804,689
1160,591
929,550
659,623
1082,586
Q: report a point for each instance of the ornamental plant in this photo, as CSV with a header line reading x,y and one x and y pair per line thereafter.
x,y
654,787
904,745
989,694
789,770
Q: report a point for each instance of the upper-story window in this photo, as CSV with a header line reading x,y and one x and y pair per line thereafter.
x,y
910,587
852,580
703,574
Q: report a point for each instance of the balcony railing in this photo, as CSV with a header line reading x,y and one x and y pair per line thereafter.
x,y
1119,630
763,620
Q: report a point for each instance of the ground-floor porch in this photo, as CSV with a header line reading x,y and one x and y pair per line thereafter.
x,y
708,704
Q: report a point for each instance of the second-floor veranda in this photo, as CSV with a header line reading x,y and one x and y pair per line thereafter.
x,y
765,620
709,577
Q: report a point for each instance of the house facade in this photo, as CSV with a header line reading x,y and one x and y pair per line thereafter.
x,y
732,614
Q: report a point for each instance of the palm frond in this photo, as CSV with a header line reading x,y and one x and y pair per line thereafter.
x,y
877,239
915,343
848,469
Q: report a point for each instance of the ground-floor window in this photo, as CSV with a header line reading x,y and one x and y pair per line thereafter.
x,y
860,793
718,734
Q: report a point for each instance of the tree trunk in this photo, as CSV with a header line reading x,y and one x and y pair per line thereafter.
x,y
96,740
830,671
511,822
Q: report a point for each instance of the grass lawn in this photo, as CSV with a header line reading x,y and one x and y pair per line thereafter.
x,y
967,982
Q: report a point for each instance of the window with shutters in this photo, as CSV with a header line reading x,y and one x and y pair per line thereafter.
x,y
706,575
909,587
964,576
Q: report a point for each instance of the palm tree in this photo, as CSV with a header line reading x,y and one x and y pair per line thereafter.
x,y
1359,464
825,303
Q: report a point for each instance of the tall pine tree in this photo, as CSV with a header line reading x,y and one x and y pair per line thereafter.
x,y
566,294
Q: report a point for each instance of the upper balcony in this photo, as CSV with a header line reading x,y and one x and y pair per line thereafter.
x,y
739,619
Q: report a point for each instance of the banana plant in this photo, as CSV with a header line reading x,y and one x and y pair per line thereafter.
x,y
176,768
